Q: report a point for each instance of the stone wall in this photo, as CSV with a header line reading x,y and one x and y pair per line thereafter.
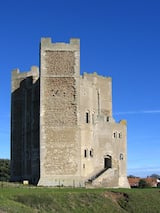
x,y
25,125
101,136
61,152
60,104
60,62
60,142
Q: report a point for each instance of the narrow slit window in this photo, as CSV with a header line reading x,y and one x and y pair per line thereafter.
x,y
91,153
85,153
120,135
93,118
114,134
87,117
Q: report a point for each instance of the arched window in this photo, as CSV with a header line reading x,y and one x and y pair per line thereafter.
x,y
121,157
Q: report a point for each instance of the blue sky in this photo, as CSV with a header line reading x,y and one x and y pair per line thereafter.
x,y
119,38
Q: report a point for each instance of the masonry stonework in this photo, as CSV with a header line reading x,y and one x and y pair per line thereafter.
x,y
63,132
25,125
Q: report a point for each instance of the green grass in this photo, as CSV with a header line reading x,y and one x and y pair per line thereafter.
x,y
67,200
141,200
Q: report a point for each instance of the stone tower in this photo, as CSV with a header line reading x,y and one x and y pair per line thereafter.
x,y
59,107
25,125
63,131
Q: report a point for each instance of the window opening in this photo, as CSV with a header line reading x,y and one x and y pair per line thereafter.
x,y
87,117
120,135
93,118
108,162
121,156
91,152
107,119
98,96
85,153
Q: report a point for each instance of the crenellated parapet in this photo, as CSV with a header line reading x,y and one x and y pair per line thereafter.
x,y
95,75
18,77
57,58
16,74
47,43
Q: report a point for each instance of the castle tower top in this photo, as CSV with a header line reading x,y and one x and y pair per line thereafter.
x,y
46,43
60,59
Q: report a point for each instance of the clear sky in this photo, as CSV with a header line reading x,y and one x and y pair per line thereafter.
x,y
119,38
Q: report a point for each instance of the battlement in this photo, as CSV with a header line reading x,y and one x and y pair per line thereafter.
x,y
86,75
46,43
16,74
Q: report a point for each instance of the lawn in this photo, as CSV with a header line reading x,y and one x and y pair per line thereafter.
x,y
72,200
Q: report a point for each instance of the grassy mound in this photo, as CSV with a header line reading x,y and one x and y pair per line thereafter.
x,y
67,200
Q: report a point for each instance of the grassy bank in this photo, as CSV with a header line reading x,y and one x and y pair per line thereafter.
x,y
63,200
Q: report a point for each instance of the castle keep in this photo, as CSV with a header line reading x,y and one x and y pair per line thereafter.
x,y
62,129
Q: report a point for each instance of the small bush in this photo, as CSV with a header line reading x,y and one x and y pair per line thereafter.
x,y
143,184
4,170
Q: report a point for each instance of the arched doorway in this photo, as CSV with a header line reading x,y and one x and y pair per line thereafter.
x,y
107,162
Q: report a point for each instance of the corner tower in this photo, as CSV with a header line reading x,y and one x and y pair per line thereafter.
x,y
59,122
25,125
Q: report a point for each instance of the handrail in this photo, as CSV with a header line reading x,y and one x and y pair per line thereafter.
x,y
97,175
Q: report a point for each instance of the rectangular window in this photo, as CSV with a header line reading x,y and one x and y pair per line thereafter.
x,y
91,152
121,156
120,135
87,117
85,153
93,118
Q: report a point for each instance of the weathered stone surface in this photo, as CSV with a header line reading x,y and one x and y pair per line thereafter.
x,y
25,125
60,104
63,132
60,62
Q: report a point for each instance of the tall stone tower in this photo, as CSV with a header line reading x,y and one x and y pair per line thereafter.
x,y
25,125
62,129
59,101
